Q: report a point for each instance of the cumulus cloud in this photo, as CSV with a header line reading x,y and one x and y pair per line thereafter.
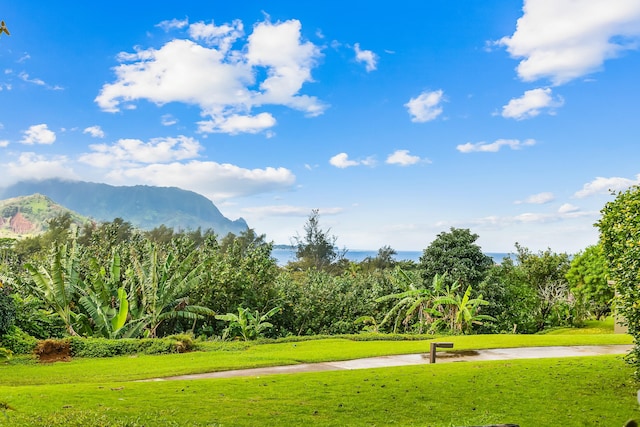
x,y
222,36
214,180
135,151
531,104
4,143
32,166
94,131
566,39
227,84
402,158
493,147
367,57
38,134
426,106
342,161
538,199
602,185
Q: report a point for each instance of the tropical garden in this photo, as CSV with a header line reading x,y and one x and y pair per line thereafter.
x,y
109,289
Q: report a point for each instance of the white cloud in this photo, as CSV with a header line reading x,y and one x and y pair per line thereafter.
x,y
288,61
133,151
493,147
173,24
236,124
566,39
538,199
426,106
94,131
367,57
213,180
568,208
222,37
38,134
402,158
287,210
4,143
222,81
168,120
531,104
602,185
342,161
30,166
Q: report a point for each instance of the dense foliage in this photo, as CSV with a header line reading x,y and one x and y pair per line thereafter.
x,y
110,281
620,240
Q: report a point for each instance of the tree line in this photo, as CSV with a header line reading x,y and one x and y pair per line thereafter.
x,y
114,281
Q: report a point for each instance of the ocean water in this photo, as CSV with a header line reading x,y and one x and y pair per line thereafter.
x,y
283,256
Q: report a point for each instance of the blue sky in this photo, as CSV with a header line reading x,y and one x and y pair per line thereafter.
x,y
513,119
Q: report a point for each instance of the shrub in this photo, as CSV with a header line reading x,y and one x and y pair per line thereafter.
x,y
103,347
18,341
7,310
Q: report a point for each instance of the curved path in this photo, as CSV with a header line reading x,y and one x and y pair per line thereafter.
x,y
417,359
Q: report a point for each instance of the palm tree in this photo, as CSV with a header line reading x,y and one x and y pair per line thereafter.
x,y
159,284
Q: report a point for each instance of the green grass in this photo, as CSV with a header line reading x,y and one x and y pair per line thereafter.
x,y
590,327
230,356
547,392
586,391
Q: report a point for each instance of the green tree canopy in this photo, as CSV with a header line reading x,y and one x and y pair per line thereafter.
x,y
316,248
455,255
620,239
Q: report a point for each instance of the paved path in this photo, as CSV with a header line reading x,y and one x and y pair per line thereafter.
x,y
417,359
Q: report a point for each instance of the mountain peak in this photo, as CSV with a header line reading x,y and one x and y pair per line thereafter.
x,y
145,207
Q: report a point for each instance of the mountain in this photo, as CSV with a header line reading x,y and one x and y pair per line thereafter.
x,y
30,215
145,207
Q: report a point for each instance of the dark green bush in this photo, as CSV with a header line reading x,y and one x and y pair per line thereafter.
x,y
103,347
7,310
17,341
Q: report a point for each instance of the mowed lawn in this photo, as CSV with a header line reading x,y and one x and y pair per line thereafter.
x,y
581,391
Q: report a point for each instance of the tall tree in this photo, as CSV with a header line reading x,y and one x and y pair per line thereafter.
x,y
620,239
455,255
588,278
317,247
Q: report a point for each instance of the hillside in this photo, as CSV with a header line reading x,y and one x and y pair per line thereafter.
x,y
145,207
29,215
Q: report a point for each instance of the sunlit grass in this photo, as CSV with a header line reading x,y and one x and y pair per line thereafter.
x,y
228,356
586,391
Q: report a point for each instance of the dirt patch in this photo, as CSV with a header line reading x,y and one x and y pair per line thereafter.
x,y
49,351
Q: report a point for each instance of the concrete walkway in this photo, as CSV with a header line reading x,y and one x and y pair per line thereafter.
x,y
417,359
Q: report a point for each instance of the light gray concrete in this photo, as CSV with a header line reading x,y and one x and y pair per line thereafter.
x,y
417,359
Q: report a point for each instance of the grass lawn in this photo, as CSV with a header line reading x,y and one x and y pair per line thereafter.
x,y
583,391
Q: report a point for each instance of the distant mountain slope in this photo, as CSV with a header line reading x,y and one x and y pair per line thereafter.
x,y
30,215
143,206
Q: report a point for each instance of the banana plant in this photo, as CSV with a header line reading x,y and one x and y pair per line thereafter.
x,y
56,284
158,287
247,323
105,299
467,312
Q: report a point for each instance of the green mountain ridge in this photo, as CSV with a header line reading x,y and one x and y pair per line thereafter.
x,y
145,207
29,215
